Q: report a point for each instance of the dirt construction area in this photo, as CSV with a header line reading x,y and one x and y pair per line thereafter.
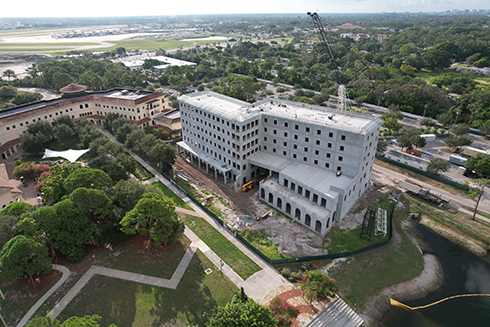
x,y
292,237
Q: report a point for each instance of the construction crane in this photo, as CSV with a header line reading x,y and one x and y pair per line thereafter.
x,y
322,27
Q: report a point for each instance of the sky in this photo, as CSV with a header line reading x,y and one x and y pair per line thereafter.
x,y
104,8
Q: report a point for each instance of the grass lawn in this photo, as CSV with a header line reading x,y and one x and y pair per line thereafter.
x,y
160,262
126,303
236,259
365,274
420,177
260,239
343,240
187,187
171,196
476,229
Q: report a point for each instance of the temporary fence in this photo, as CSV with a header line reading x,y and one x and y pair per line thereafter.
x,y
286,260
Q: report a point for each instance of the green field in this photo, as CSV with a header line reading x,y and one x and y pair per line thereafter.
x,y
171,196
365,274
236,259
126,303
40,45
347,240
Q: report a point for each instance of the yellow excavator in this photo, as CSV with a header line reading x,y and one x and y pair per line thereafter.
x,y
248,186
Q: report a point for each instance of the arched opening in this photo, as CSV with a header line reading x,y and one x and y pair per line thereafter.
x,y
288,208
3,156
318,226
328,222
297,214
307,220
271,198
262,193
279,203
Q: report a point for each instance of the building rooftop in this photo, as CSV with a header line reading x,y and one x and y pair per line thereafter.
x,y
230,108
120,94
312,177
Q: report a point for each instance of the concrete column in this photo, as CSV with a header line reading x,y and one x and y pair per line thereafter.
x,y
224,178
215,173
207,168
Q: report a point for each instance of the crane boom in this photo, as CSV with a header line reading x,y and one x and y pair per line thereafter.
x,y
321,27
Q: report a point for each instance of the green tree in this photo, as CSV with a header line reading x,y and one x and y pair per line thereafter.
x,y
248,314
392,124
427,122
382,145
63,133
26,97
480,164
457,141
476,191
460,129
54,184
318,286
437,165
16,209
485,129
9,73
94,203
7,228
162,154
149,63
86,321
87,177
410,138
33,143
24,256
153,217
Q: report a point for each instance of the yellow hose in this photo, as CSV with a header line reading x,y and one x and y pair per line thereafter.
x,y
399,304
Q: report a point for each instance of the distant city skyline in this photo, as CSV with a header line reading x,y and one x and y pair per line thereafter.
x,y
92,8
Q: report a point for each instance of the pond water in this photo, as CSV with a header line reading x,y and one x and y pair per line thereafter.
x,y
464,273
209,38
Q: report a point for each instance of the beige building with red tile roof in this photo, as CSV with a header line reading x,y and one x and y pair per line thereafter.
x,y
140,107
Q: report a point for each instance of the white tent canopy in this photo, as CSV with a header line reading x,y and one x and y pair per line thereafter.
x,y
70,155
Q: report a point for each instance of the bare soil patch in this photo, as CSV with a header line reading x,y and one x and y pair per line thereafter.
x,y
292,237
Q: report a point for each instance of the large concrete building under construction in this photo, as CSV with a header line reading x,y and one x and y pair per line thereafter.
x,y
317,161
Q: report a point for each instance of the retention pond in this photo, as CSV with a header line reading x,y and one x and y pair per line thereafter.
x,y
464,273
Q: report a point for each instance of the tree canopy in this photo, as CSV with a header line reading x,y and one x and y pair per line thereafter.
x,y
24,256
239,314
153,217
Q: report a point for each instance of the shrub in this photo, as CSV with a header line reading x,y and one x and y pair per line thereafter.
x,y
286,273
283,311
306,265
29,170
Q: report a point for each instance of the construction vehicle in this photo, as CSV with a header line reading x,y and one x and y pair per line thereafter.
x,y
265,215
423,192
248,186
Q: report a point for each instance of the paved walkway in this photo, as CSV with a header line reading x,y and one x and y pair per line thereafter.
x,y
66,273
171,283
258,285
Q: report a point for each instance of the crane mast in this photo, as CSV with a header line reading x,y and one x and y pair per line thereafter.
x,y
322,27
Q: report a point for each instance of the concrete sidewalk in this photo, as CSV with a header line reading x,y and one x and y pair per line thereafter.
x,y
258,285
171,283
66,273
